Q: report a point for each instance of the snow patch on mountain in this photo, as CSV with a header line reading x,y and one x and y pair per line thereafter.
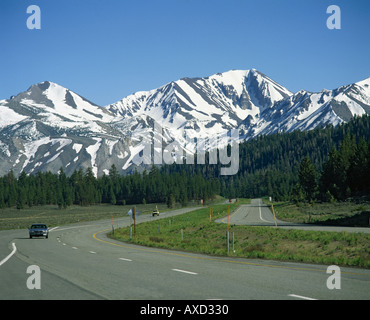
x,y
9,116
92,150
49,126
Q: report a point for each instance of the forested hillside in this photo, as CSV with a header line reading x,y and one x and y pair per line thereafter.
x,y
269,165
325,164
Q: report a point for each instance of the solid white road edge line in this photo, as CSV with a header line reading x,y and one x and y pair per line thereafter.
x,y
300,297
10,255
184,271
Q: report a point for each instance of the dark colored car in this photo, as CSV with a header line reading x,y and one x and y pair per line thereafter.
x,y
39,230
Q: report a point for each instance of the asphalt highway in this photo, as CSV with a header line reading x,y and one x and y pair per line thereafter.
x,y
80,262
259,214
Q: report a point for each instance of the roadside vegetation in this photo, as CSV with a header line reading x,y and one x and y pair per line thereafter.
x,y
51,215
198,232
320,176
349,214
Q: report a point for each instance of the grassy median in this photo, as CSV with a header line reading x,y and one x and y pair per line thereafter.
x,y
51,215
197,232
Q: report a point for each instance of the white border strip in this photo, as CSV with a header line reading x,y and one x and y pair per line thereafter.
x,y
259,207
184,271
300,297
10,255
123,259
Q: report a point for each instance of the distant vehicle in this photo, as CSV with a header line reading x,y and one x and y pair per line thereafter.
x,y
39,230
155,212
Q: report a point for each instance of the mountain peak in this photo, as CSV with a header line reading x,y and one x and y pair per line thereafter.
x,y
43,86
55,127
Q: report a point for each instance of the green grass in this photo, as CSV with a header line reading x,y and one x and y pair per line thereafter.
x,y
11,218
201,235
52,216
204,236
340,214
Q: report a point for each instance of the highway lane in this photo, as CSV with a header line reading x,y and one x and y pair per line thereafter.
x,y
259,214
256,214
80,262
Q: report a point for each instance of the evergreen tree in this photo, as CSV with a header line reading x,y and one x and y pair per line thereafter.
x,y
297,194
171,201
357,180
307,178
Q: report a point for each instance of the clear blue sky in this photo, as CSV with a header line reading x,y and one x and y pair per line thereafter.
x,y
106,50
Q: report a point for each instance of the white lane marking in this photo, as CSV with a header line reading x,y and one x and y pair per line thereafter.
x,y
184,271
10,255
300,297
93,252
52,229
123,259
261,213
74,248
68,228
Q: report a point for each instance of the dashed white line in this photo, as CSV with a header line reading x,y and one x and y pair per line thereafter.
x,y
92,252
300,297
74,248
184,271
125,259
10,255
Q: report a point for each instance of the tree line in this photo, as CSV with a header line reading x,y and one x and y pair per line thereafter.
x,y
345,174
83,188
330,163
269,165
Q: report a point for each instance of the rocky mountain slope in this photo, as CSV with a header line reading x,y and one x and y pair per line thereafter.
x,y
49,126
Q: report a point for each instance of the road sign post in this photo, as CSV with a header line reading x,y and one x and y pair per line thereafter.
x,y
273,211
132,214
233,242
227,230
227,241
134,220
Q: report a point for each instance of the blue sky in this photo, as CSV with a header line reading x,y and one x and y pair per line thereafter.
x,y
106,50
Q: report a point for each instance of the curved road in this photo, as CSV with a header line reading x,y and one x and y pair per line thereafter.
x,y
259,214
79,262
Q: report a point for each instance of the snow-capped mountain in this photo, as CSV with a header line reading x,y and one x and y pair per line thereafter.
x,y
203,107
212,104
49,126
306,110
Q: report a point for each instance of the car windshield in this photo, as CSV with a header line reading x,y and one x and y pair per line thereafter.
x,y
38,226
